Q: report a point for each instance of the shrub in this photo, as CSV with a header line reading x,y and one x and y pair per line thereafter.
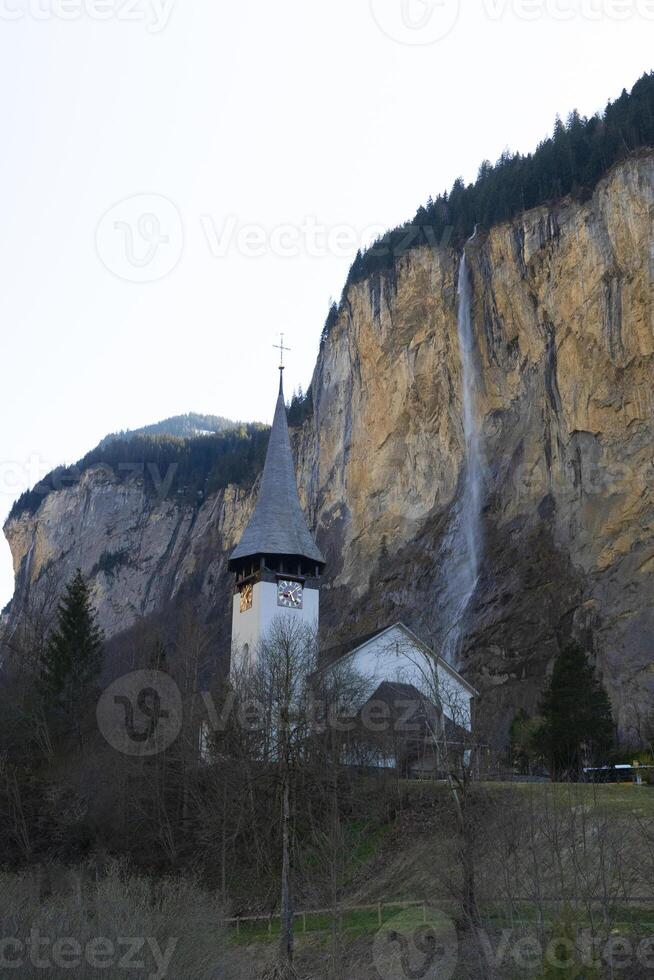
x,y
172,919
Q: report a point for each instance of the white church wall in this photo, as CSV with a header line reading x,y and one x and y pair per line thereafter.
x,y
455,697
394,657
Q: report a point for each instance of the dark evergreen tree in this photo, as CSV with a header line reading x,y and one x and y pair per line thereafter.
x,y
518,739
577,727
72,659
301,407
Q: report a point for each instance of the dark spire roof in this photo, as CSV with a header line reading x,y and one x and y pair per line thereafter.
x,y
277,525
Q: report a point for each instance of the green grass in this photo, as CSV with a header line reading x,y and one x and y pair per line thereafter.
x,y
365,843
618,798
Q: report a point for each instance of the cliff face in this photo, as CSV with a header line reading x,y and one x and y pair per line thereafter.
x,y
564,350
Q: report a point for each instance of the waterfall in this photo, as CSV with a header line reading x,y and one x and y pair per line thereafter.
x,y
464,540
471,509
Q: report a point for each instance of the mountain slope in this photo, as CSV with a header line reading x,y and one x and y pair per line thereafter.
x,y
564,346
181,426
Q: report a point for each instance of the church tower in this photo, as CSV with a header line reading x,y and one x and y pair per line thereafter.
x,y
277,563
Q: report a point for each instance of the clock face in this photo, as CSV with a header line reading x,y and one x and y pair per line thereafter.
x,y
289,594
246,597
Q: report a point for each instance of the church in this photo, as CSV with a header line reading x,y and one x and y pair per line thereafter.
x,y
278,568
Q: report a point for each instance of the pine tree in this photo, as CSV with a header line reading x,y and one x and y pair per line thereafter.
x,y
72,659
577,721
523,735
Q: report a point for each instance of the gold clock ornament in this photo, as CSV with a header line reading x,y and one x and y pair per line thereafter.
x,y
247,592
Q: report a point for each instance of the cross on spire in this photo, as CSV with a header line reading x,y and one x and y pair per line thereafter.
x,y
280,347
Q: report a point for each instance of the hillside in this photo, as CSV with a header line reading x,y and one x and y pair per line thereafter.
x,y
550,861
180,426
165,465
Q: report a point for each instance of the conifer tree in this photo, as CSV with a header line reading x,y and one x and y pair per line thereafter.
x,y
72,659
577,721
523,735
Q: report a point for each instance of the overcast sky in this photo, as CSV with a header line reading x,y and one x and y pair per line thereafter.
x,y
183,179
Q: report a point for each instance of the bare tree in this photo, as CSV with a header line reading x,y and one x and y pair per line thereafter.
x,y
336,692
276,681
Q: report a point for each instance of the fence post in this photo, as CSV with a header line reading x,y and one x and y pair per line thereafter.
x,y
379,914
304,922
270,925
238,927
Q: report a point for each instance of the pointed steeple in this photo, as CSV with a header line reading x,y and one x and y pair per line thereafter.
x,y
277,525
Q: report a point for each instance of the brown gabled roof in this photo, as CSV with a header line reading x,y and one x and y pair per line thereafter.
x,y
401,696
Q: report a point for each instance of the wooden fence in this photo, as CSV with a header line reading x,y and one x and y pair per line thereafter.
x,y
380,907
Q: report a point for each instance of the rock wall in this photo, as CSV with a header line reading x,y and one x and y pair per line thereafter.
x,y
564,328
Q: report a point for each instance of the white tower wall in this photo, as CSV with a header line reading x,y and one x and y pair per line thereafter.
x,y
250,626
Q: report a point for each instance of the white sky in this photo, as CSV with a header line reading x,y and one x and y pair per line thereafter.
x,y
225,115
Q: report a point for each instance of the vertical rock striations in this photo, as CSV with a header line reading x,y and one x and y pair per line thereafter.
x,y
562,325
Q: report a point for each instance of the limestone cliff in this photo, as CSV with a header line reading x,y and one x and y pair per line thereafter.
x,y
564,344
